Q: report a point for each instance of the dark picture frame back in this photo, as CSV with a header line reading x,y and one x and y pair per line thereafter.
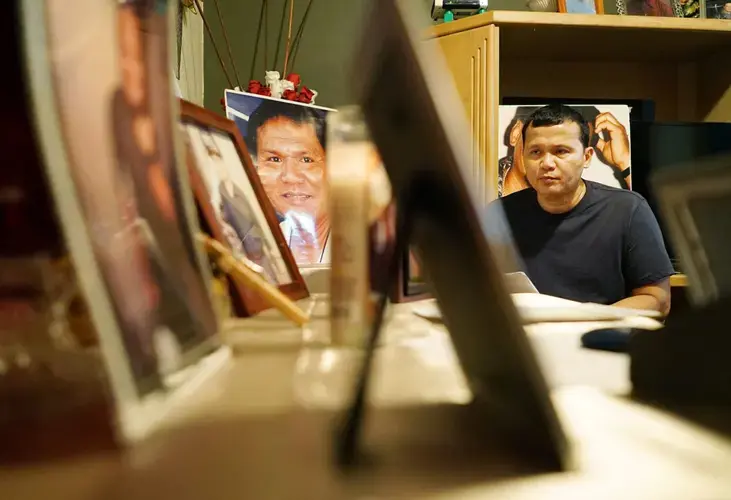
x,y
404,288
245,302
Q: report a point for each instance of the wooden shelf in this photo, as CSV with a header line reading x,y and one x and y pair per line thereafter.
x,y
529,35
536,19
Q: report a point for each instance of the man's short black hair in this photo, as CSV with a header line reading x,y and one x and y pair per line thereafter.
x,y
556,114
275,109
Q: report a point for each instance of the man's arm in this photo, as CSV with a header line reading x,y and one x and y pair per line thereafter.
x,y
655,297
646,266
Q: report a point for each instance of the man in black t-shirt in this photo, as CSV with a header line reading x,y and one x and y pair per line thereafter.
x,y
578,239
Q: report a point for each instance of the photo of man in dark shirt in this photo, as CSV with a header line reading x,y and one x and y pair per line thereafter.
x,y
579,239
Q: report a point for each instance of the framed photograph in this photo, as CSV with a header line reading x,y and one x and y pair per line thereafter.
x,y
716,9
100,85
608,123
287,143
653,8
411,284
235,207
581,6
691,8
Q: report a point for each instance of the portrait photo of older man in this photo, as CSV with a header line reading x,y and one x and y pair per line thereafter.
x,y
286,141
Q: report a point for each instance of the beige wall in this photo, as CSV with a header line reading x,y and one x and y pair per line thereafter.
x,y
324,59
191,66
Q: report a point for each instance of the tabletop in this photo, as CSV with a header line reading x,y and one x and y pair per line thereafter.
x,y
262,427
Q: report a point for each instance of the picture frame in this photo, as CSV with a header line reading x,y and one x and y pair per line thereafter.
x,y
715,9
409,287
692,9
660,8
581,6
224,217
140,298
271,128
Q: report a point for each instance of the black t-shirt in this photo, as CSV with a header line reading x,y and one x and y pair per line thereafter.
x,y
606,246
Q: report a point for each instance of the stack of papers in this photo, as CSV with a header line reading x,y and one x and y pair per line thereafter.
x,y
538,308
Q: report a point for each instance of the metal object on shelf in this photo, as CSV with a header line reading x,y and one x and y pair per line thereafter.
x,y
456,9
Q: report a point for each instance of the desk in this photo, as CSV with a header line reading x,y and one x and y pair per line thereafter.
x,y
261,429
679,280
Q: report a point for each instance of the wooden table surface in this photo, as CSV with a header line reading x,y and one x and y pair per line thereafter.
x,y
679,280
262,427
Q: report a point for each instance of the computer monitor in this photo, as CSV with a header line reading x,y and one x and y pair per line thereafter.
x,y
421,132
695,200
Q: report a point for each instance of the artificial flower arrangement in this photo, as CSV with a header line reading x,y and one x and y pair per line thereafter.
x,y
289,89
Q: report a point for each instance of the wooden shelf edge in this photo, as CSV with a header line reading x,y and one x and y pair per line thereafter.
x,y
506,17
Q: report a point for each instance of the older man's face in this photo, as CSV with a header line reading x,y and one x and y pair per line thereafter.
x,y
291,165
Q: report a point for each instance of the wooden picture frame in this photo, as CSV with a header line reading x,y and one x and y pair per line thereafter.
x,y
714,9
580,6
245,302
406,289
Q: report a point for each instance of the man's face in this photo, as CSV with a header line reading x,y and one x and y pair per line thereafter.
x,y
291,164
554,157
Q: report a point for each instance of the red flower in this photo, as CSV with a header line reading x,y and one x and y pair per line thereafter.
x,y
294,78
289,95
302,97
223,103
265,91
254,86
307,93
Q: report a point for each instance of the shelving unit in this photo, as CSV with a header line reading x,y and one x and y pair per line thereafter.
x,y
683,65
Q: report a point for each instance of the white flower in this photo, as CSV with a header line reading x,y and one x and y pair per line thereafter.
x,y
274,82
286,85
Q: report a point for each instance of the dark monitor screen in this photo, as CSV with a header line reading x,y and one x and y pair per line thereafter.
x,y
696,203
711,218
661,146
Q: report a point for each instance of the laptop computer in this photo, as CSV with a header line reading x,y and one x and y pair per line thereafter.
x,y
519,282
423,137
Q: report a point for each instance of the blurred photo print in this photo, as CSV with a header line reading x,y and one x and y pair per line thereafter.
x,y
610,139
718,9
652,8
112,87
581,6
234,202
286,141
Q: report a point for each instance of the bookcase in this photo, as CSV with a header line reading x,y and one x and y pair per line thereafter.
x,y
682,65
